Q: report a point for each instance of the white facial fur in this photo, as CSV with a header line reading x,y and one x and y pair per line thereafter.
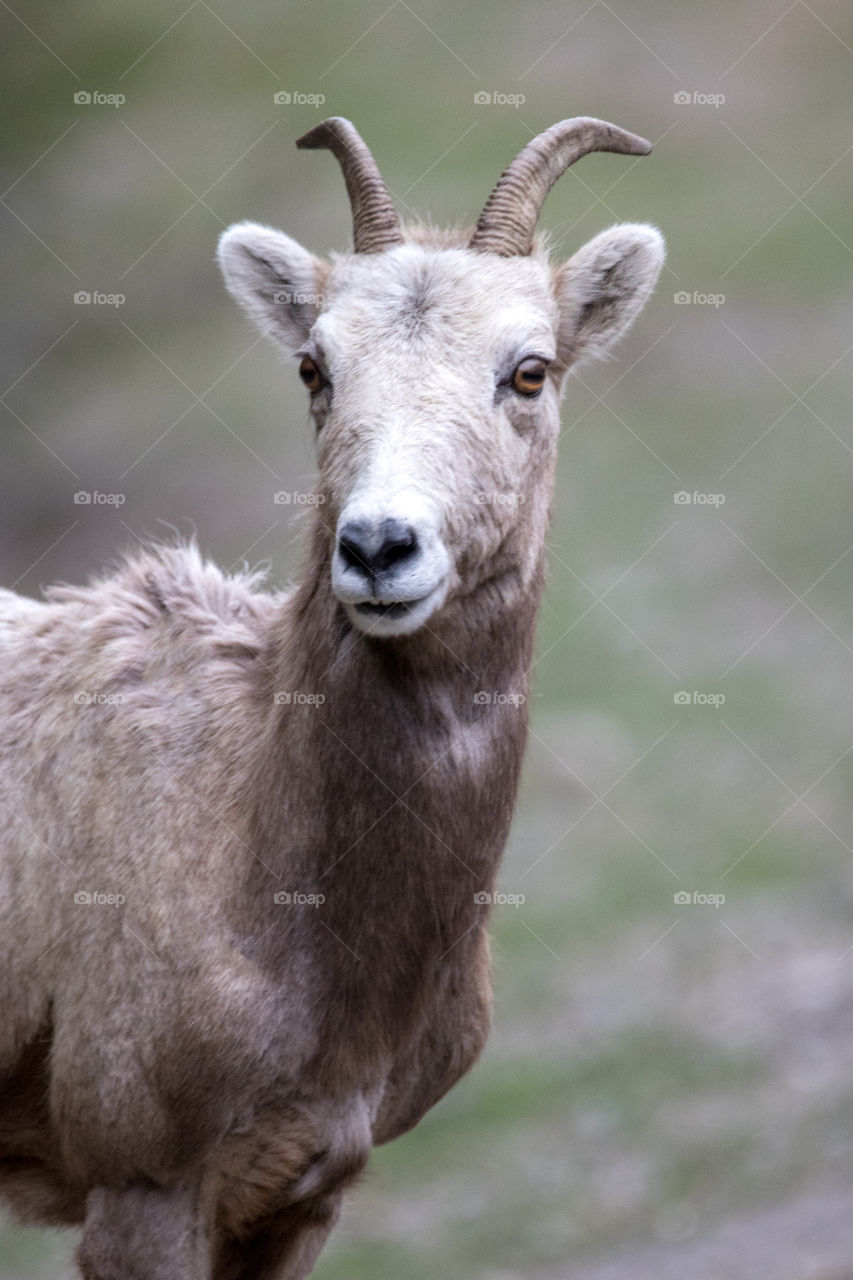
x,y
429,458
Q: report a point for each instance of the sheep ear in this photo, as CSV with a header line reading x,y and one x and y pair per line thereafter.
x,y
602,289
274,279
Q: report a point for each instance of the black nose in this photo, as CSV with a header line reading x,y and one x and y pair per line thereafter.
x,y
375,548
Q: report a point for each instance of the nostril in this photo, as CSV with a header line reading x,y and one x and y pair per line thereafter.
x,y
398,545
353,553
375,549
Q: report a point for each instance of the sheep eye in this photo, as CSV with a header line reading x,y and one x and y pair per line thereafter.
x,y
529,376
310,374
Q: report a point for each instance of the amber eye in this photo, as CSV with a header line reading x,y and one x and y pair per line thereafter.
x,y
529,376
310,374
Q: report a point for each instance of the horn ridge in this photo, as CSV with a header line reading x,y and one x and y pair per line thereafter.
x,y
376,226
508,221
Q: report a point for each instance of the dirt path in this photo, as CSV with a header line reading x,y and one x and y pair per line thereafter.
x,y
806,1238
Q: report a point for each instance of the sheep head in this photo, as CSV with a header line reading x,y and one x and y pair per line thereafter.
x,y
435,366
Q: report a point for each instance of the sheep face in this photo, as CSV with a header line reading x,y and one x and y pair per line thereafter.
x,y
437,418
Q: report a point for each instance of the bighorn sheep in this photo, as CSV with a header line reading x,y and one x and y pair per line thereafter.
x,y
247,838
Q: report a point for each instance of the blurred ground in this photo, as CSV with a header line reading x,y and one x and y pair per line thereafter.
x,y
667,1090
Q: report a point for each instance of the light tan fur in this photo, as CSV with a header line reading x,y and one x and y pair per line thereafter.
x,y
193,1066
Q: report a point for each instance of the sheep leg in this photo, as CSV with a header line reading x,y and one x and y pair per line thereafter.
x,y
286,1248
144,1232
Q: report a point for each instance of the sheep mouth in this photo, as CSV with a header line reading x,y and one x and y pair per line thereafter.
x,y
392,611
380,618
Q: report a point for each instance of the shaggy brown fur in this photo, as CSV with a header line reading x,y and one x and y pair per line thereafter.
x,y
199,1029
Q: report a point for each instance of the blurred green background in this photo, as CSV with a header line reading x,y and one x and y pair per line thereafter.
x,y
667,1090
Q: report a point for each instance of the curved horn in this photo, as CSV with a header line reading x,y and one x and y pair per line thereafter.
x,y
508,220
375,223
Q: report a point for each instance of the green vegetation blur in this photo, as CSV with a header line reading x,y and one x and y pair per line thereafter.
x,y
670,1063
